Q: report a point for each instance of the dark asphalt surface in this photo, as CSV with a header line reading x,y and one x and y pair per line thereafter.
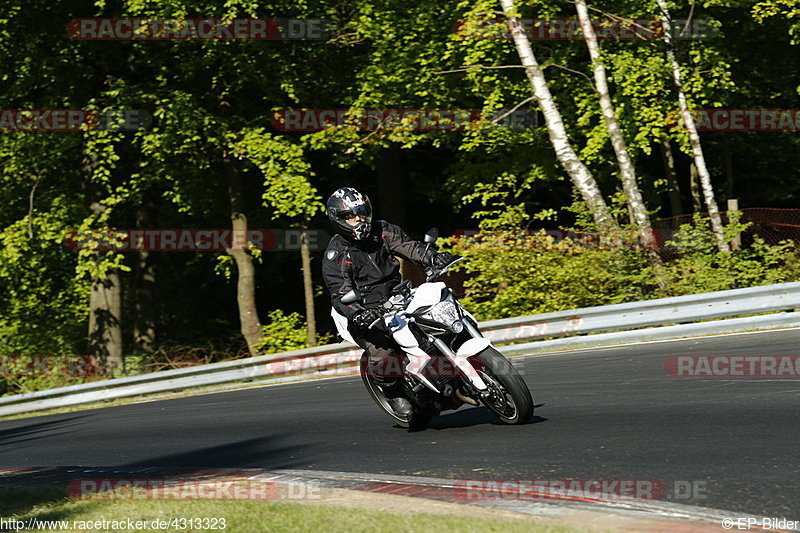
x,y
611,413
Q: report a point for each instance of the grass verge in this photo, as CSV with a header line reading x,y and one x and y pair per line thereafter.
x,y
239,516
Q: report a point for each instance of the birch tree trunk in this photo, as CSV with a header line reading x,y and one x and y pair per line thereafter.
x,y
581,177
627,174
694,137
245,280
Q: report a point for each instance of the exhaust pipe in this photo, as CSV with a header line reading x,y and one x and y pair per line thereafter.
x,y
465,399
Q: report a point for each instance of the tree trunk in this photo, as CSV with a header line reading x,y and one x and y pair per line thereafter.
x,y
627,174
245,278
675,199
730,179
694,180
391,185
144,286
104,338
308,289
694,137
105,327
577,171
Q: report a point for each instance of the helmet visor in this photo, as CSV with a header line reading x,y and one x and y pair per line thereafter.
x,y
352,210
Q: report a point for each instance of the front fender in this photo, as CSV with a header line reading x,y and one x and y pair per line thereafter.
x,y
473,347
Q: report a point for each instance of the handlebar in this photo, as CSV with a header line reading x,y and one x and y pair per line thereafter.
x,y
433,272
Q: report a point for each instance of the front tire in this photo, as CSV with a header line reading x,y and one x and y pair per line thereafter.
x,y
510,398
417,419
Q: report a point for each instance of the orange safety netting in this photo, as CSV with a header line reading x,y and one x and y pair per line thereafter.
x,y
771,224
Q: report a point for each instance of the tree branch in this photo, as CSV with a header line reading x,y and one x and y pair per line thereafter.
x,y
467,68
571,70
30,207
618,18
504,115
688,20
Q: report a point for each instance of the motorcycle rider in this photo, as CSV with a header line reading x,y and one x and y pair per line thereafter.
x,y
362,255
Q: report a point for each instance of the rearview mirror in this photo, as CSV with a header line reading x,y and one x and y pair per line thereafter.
x,y
431,235
351,297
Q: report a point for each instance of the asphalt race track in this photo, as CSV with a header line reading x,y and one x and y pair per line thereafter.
x,y
610,413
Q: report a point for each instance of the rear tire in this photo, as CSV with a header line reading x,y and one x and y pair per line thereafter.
x,y
510,399
418,419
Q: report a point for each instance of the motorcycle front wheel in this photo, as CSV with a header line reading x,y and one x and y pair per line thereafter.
x,y
509,396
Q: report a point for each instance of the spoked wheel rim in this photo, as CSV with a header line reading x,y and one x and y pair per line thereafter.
x,y
499,400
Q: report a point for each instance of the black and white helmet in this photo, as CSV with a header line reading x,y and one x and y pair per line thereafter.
x,y
347,203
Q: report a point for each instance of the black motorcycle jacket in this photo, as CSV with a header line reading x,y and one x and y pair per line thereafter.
x,y
370,265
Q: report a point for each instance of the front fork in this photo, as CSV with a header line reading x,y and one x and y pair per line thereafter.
x,y
472,330
460,359
418,359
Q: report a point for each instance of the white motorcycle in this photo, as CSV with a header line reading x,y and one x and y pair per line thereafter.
x,y
447,361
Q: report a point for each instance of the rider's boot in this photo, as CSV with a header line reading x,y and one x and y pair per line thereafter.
x,y
392,389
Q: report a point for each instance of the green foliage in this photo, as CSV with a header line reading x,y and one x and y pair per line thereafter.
x,y
789,9
21,374
283,332
212,99
286,173
514,273
499,202
700,267
40,314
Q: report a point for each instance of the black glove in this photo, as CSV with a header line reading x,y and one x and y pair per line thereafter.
x,y
364,318
441,259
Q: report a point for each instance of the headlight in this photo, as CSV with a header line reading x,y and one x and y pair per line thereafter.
x,y
444,313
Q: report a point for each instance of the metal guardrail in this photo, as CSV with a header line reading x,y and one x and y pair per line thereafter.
x,y
169,380
341,359
675,310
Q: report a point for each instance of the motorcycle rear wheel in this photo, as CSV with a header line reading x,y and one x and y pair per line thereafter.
x,y
418,418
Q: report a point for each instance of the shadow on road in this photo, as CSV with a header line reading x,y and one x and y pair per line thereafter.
x,y
23,490
262,452
471,417
28,432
